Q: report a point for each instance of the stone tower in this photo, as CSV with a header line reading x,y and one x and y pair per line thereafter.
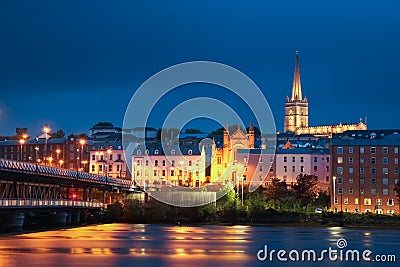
x,y
296,107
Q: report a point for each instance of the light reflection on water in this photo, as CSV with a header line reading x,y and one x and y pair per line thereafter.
x,y
167,245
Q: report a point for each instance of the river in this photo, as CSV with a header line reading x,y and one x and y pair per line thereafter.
x,y
169,245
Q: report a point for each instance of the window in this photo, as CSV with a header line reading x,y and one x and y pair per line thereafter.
x,y
351,180
339,170
190,163
385,181
163,162
385,191
327,179
351,191
293,159
327,168
373,160
315,159
373,180
139,152
260,168
362,170
315,168
110,168
284,159
373,150
396,160
172,173
146,152
350,160
155,173
173,152
396,181
379,202
301,168
390,202
271,159
384,150
293,168
327,159
219,160
361,160
285,168
373,171
93,168
362,150
385,160
367,201
100,168
340,150
261,160
301,159
156,162
396,170
373,191
385,170
351,170
156,152
346,201
147,162
356,201
340,160
396,150
173,162
340,191
351,150
362,181
163,172
245,159
340,180
119,157
190,152
336,201
93,157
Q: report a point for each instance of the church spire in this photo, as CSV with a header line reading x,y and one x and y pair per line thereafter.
x,y
296,89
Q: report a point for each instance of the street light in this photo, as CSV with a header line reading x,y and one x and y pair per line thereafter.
x,y
58,151
37,154
61,162
334,191
82,142
22,141
50,160
109,151
46,130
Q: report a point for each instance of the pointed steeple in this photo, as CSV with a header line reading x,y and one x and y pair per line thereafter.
x,y
296,89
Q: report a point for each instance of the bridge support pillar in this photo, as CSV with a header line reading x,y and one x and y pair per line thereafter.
x,y
13,221
84,217
60,218
75,217
69,219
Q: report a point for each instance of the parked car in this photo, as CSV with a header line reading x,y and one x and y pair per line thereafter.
x,y
318,210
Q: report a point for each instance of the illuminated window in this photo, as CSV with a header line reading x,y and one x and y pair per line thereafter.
x,y
367,201
356,201
340,160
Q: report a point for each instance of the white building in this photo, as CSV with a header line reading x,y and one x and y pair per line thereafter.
x,y
108,162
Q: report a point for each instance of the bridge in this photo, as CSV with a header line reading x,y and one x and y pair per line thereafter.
x,y
67,196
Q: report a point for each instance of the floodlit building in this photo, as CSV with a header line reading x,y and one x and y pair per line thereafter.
x,y
365,167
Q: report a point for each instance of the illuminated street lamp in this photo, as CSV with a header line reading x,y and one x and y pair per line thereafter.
x,y
82,142
334,191
50,160
46,130
58,151
61,162
22,141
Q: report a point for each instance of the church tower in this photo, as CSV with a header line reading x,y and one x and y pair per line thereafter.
x,y
296,107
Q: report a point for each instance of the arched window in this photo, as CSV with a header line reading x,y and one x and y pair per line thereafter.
x,y
190,152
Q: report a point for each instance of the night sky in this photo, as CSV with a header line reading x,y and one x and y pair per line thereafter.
x,y
71,64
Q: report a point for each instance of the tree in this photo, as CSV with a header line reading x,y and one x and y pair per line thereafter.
x,y
193,131
276,190
305,190
58,134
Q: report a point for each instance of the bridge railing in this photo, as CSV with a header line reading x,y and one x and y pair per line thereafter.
x,y
32,168
38,203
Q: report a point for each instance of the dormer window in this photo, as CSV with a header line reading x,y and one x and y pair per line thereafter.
x,y
139,152
146,152
173,152
156,152
190,152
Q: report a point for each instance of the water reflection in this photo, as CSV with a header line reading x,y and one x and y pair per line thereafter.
x,y
168,245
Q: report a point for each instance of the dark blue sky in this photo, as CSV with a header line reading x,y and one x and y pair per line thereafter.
x,y
73,63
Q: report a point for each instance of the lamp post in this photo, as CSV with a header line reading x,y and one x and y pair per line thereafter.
x,y
37,153
82,142
134,173
46,130
22,141
334,191
58,151
61,162
109,151
50,160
